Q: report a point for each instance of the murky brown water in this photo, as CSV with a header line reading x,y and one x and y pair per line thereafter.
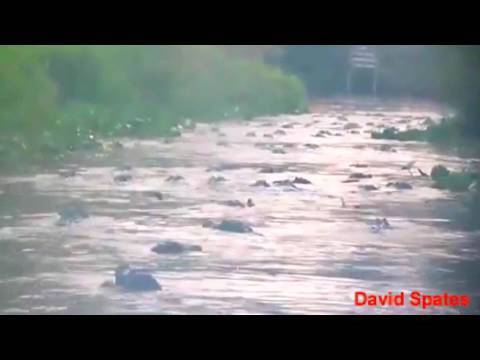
x,y
311,258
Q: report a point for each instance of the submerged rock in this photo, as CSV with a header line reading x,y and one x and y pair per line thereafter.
x,y
233,226
172,247
135,280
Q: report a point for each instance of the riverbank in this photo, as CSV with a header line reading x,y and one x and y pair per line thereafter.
x,y
57,99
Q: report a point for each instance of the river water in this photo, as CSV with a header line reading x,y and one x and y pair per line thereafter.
x,y
311,253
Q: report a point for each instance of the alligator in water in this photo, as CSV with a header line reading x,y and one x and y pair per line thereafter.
x,y
172,247
233,226
135,280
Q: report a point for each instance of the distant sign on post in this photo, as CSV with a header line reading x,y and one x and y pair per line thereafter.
x,y
363,57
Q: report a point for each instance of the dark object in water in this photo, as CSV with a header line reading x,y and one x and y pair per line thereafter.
x,y
269,136
287,183
72,213
350,181
233,203
233,226
216,180
439,171
288,126
172,247
400,185
311,146
369,187
359,166
175,178
122,178
360,176
423,174
222,143
428,122
280,132
271,170
319,134
117,145
299,180
157,195
251,134
378,225
261,183
351,126
69,173
278,151
135,280
236,203
387,148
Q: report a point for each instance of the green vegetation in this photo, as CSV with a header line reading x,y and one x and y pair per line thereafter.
x,y
450,134
453,181
59,98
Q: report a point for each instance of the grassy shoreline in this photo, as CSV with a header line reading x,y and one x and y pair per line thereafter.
x,y
56,99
